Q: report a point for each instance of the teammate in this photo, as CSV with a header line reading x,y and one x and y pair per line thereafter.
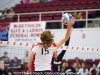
x,y
42,53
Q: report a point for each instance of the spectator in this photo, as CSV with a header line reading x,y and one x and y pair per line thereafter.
x,y
36,1
11,14
22,1
5,57
25,60
76,67
31,1
69,69
63,67
15,64
94,69
42,0
76,64
93,72
49,0
7,64
83,70
2,68
25,1
77,15
5,12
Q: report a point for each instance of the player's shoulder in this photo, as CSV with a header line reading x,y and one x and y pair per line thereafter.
x,y
37,45
41,44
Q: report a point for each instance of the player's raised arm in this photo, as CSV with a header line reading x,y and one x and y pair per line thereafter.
x,y
68,33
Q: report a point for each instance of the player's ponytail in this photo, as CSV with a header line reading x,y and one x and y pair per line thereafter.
x,y
47,39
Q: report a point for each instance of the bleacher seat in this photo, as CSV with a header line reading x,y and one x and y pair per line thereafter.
x,y
56,6
48,18
57,18
89,61
6,20
97,60
53,6
81,60
34,19
63,60
71,60
89,66
24,20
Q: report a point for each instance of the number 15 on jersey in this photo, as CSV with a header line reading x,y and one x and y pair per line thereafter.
x,y
44,52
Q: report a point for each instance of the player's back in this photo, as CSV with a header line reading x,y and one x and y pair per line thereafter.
x,y
43,57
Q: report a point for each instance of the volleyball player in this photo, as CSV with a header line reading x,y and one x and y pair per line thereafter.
x,y
42,53
57,59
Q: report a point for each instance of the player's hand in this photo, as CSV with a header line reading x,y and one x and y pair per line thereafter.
x,y
70,23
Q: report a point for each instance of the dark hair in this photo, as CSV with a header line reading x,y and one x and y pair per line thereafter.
x,y
16,58
68,63
84,68
78,59
93,72
26,51
5,11
5,53
77,12
47,39
94,63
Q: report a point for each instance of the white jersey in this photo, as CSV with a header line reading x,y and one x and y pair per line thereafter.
x,y
43,57
83,73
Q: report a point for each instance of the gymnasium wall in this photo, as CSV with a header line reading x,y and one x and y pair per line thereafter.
x,y
87,37
79,37
8,3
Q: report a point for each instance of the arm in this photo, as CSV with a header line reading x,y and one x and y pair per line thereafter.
x,y
17,67
67,42
60,56
2,66
79,65
30,60
67,35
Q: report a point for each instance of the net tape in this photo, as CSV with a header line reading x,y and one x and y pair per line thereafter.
x,y
29,45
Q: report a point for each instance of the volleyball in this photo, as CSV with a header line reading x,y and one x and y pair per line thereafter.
x,y
66,17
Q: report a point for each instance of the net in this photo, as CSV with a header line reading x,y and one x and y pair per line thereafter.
x,y
14,49
17,49
81,52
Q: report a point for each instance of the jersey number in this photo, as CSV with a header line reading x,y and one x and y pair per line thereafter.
x,y
44,52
